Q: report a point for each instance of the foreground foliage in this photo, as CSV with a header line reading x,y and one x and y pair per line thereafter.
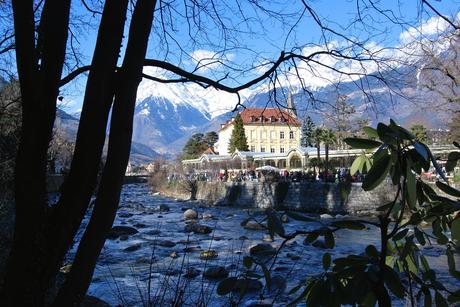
x,y
397,268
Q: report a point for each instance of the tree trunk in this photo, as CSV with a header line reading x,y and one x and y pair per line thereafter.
x,y
39,73
326,163
121,127
81,181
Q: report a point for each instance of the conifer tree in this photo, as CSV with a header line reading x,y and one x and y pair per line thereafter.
x,y
238,139
308,126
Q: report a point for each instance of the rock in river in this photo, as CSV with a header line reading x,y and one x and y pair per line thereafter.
x,y
162,208
190,214
198,228
209,254
215,272
253,225
164,243
118,231
262,249
133,247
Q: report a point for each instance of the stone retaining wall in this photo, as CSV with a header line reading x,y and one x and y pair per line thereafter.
x,y
304,196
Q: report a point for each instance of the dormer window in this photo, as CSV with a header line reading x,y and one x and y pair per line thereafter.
x,y
261,118
282,119
253,119
272,119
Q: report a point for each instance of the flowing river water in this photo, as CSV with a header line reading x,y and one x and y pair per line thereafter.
x,y
160,263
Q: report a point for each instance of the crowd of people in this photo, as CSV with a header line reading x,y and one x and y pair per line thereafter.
x,y
333,176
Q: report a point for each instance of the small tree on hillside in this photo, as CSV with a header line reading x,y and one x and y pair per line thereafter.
x,y
420,132
194,146
211,138
238,139
307,132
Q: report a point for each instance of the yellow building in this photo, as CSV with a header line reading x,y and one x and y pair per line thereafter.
x,y
267,130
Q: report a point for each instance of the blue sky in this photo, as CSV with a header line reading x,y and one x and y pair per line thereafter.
x,y
262,38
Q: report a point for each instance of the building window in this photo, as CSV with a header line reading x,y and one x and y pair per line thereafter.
x,y
253,118
291,135
253,134
272,135
262,148
253,148
281,149
281,134
272,149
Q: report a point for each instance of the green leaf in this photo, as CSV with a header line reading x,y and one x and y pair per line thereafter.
x,y
371,132
300,217
420,236
440,300
401,234
358,143
393,282
425,264
454,297
326,261
377,173
247,261
329,240
357,165
428,301
422,151
349,225
274,224
455,230
226,286
372,252
311,237
411,188
448,189
387,135
268,279
456,144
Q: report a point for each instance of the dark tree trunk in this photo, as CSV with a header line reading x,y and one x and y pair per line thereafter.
x,y
121,126
39,73
326,163
81,181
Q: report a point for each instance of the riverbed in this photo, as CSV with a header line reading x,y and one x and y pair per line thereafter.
x,y
158,260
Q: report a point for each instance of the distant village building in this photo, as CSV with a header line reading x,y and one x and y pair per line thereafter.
x,y
269,130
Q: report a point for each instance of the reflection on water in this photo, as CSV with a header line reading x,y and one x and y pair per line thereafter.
x,y
161,252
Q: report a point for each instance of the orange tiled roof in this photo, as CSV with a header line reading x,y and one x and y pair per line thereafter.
x,y
268,116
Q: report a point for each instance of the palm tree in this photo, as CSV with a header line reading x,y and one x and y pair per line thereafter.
x,y
317,136
328,138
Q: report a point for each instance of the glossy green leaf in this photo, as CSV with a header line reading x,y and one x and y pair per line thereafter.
x,y
440,300
268,279
358,143
419,236
326,261
377,173
422,151
448,189
393,282
357,165
386,134
311,237
226,286
411,187
274,224
329,240
371,132
428,301
456,144
455,230
454,297
247,261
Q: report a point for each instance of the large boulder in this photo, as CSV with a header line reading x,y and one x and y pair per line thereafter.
x,y
262,249
190,214
253,225
118,231
198,228
215,272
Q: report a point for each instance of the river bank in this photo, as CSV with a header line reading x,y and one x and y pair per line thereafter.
x,y
309,197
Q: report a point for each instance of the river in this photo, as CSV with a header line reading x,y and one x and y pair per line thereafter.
x,y
161,252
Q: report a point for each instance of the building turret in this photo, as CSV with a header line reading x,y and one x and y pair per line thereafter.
x,y
291,106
